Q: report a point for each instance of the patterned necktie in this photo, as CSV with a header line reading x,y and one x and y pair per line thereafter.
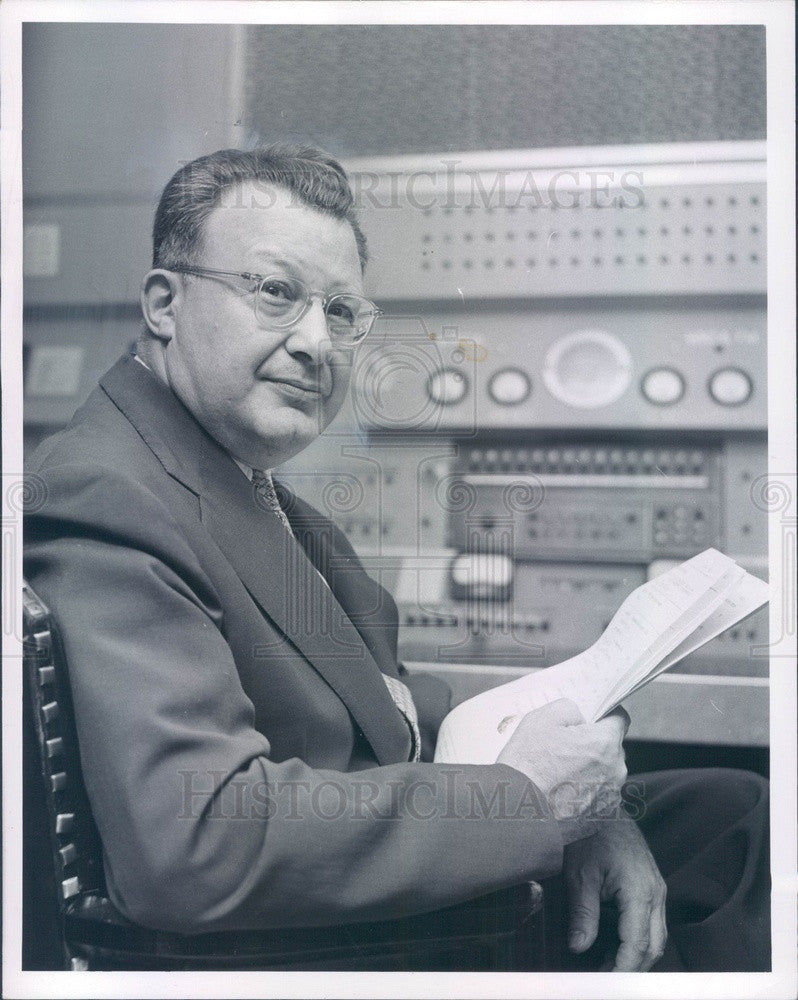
x,y
263,484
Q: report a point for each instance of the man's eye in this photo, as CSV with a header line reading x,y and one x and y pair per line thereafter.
x,y
342,312
277,291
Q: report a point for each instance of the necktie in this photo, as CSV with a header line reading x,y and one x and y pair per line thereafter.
x,y
263,484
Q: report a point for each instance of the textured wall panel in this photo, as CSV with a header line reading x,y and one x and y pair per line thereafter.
x,y
680,239
436,88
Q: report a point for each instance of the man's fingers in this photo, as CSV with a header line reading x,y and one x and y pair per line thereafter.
x,y
659,931
624,716
583,911
634,929
565,711
618,719
658,938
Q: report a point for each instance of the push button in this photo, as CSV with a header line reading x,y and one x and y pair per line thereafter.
x,y
509,387
662,386
730,387
447,386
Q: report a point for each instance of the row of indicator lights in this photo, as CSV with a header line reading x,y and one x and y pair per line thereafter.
x,y
661,386
588,459
453,621
532,234
687,202
618,259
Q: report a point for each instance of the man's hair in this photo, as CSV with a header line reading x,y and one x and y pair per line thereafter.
x,y
312,175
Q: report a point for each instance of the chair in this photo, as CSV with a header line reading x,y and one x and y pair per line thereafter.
x,y
502,931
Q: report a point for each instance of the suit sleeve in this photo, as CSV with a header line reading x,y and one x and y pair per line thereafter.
x,y
201,829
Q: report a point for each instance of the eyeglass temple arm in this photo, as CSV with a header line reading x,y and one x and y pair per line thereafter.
x,y
212,270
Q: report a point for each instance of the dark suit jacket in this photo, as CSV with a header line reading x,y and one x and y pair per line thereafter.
x,y
244,760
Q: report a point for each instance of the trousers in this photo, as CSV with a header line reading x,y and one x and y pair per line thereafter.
x,y
708,830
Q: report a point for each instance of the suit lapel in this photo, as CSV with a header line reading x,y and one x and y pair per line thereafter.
x,y
270,563
366,604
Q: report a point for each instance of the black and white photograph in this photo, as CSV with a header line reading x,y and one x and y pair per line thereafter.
x,y
399,499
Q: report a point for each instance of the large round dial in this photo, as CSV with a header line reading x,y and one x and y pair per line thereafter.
x,y
587,369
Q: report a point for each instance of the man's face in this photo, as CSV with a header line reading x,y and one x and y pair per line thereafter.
x,y
264,394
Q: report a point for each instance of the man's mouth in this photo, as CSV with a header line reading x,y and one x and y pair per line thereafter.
x,y
300,387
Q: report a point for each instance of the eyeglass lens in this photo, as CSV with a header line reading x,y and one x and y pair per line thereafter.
x,y
283,300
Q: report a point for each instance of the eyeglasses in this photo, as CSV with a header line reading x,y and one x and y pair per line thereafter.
x,y
281,301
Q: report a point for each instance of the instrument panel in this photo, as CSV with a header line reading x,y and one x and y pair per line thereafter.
x,y
566,391
560,366
562,398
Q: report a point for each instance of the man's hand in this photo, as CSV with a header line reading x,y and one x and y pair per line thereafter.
x,y
578,766
617,865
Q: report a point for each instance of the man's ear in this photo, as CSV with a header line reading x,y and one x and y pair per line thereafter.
x,y
160,293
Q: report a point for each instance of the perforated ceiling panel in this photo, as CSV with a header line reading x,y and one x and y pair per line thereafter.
x,y
359,90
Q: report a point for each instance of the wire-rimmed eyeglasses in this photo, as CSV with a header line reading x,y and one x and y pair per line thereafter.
x,y
281,300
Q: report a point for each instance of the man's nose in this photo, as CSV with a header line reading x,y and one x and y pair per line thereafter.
x,y
310,335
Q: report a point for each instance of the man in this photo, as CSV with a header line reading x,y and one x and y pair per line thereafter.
x,y
253,753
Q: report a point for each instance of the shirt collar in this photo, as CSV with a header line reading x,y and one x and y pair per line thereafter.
x,y
246,469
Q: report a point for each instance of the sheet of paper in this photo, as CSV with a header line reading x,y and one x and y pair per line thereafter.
x,y
654,620
674,634
745,598
649,624
475,731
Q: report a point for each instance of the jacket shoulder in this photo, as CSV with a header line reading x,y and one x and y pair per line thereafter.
x,y
97,435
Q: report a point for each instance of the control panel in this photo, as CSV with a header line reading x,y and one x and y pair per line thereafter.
x,y
562,397
557,611
515,550
463,369
590,502
566,391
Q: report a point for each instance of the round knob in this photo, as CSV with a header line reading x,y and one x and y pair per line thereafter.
x,y
730,387
662,386
587,369
509,386
447,386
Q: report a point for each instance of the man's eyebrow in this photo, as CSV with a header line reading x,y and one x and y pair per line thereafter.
x,y
268,260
